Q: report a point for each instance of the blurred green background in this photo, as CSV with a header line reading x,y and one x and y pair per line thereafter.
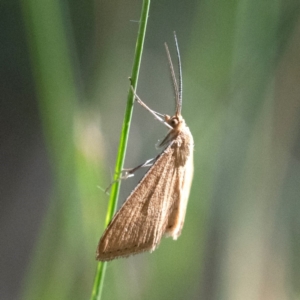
x,y
64,83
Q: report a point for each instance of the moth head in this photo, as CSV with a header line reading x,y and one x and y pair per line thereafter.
x,y
174,121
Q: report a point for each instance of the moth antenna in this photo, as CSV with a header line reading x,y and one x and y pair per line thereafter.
x,y
178,109
179,104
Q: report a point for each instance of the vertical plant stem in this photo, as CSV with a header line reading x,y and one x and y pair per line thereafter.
x,y
100,273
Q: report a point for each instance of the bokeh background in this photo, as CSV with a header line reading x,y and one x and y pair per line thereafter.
x,y
64,83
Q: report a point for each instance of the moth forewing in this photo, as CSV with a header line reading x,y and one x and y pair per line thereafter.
x,y
185,170
139,224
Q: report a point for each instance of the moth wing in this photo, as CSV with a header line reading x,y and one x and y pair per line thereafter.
x,y
141,221
181,189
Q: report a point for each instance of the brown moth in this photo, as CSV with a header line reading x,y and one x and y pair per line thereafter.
x,y
157,205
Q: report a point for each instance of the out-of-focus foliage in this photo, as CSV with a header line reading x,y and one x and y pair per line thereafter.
x,y
241,73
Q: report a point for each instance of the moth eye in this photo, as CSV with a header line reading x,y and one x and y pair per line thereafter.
x,y
174,122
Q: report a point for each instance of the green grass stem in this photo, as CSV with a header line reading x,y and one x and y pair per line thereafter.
x,y
100,273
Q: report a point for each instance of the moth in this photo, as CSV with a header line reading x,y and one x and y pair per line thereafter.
x,y
157,206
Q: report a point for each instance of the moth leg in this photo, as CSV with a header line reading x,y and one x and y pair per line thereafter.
x,y
154,113
130,172
147,163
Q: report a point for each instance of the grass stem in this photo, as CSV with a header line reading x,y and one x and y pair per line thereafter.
x,y
113,200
